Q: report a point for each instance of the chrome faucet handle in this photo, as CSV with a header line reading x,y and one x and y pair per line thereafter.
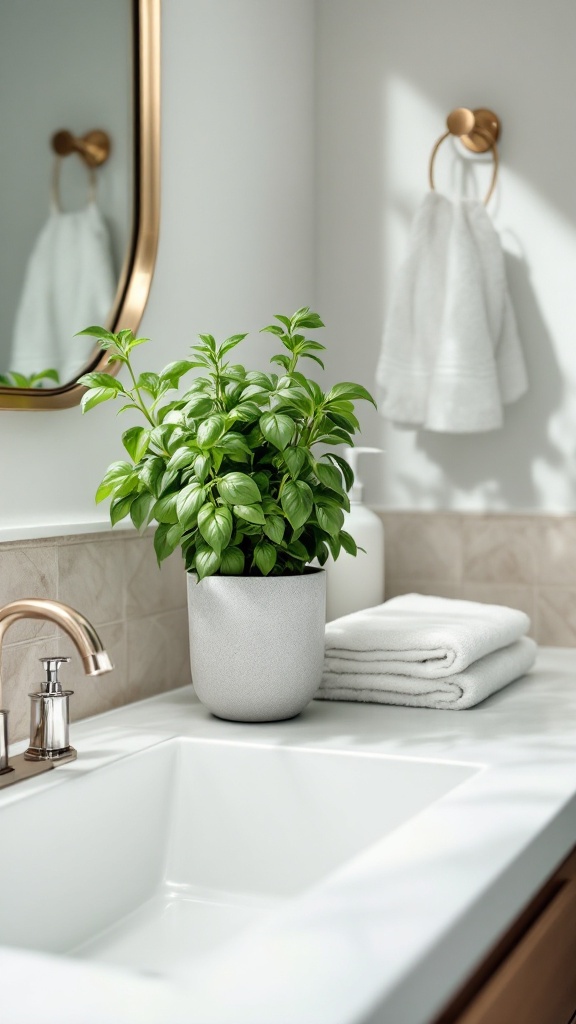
x,y
4,762
50,717
51,667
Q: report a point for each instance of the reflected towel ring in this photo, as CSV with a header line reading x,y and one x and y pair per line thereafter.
x,y
93,148
55,190
478,130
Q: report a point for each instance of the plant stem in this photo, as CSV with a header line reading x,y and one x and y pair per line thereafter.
x,y
138,399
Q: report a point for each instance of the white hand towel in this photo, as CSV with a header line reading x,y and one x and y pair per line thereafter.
x,y
420,636
455,692
69,284
451,355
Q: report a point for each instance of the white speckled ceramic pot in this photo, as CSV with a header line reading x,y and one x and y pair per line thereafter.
x,y
257,643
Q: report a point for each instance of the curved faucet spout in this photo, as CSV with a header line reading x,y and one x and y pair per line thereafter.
x,y
81,632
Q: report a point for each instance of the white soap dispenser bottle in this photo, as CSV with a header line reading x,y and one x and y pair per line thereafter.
x,y
355,582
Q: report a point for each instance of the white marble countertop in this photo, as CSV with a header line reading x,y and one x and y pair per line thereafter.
x,y
392,934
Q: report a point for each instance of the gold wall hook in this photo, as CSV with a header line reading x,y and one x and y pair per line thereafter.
x,y
478,130
93,147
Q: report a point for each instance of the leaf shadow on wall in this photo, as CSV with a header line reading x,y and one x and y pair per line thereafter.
x,y
526,428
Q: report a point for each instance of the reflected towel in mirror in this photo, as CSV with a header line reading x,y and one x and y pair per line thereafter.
x,y
69,282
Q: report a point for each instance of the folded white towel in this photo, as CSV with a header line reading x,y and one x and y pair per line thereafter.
x,y
451,355
420,636
454,692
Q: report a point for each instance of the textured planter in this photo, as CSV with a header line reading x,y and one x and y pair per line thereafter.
x,y
257,643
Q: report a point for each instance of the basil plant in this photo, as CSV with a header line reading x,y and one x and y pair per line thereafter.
x,y
231,470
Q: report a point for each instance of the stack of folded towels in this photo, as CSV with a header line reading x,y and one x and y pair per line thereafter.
x,y
426,652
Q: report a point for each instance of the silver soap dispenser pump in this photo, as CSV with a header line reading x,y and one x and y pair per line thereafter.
x,y
49,717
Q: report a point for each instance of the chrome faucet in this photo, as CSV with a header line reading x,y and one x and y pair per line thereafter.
x,y
49,713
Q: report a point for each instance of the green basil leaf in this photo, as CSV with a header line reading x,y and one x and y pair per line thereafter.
x,y
100,380
166,480
277,428
151,473
95,396
298,551
245,412
135,441
97,332
238,489
274,528
181,458
262,380
206,562
345,467
174,371
297,502
166,539
344,421
251,513
349,391
330,519
202,467
114,477
262,480
348,543
198,407
120,508
334,545
306,318
189,502
322,552
232,562
294,459
265,557
149,382
211,430
160,436
329,476
297,399
164,510
215,525
141,509
230,343
235,447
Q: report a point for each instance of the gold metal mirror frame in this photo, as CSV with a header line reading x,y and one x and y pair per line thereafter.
x,y
136,275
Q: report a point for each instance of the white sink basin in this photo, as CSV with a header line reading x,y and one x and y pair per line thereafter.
x,y
161,856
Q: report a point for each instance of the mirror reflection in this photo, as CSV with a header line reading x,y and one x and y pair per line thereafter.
x,y
66,71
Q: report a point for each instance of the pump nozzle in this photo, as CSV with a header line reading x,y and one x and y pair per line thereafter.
x,y
352,456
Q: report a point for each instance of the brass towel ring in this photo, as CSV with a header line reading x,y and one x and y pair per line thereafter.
x,y
478,130
93,148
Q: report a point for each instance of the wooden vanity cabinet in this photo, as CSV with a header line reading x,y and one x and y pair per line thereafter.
x,y
530,976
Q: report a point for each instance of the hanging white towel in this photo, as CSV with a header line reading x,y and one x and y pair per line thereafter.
x,y
69,284
451,356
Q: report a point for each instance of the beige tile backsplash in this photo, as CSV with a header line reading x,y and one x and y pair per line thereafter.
x,y
525,561
138,610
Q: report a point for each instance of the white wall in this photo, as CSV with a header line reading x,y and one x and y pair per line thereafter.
x,y
388,73
239,232
236,242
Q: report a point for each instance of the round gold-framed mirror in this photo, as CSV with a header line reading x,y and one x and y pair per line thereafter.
x,y
123,204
